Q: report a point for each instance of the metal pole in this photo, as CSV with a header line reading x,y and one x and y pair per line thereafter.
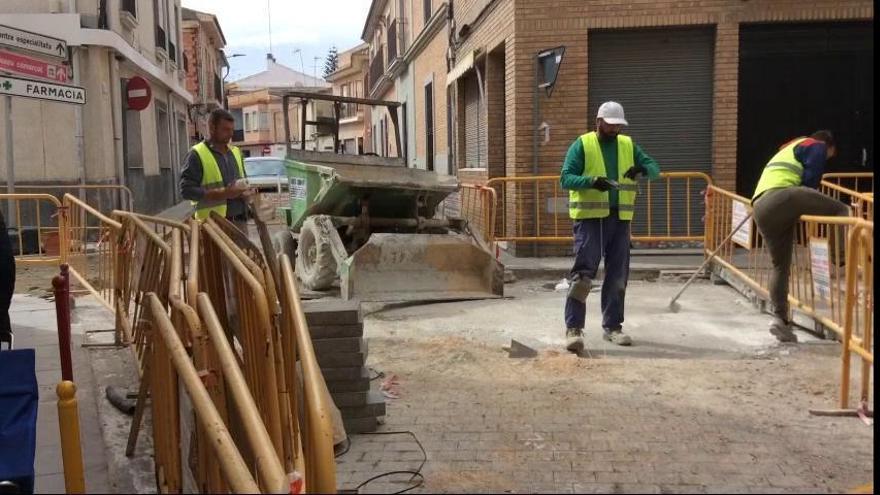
x,y
285,104
61,284
302,123
10,161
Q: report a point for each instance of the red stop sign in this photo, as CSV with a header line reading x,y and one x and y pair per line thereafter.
x,y
138,93
267,151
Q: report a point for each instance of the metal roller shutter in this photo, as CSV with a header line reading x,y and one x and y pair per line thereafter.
x,y
475,124
663,78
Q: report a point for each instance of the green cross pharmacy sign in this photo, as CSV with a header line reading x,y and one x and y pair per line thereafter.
x,y
28,88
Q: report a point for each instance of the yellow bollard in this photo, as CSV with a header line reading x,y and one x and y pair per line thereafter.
x,y
68,424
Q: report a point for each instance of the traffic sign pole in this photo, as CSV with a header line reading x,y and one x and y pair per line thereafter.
x,y
10,162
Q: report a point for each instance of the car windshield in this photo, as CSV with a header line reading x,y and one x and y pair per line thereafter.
x,y
264,167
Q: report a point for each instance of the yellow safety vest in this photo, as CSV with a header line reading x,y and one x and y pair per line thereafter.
x,y
213,179
783,170
593,203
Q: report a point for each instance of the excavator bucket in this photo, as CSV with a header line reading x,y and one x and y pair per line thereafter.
x,y
421,267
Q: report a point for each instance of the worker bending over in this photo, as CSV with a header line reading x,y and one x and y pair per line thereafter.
x,y
785,191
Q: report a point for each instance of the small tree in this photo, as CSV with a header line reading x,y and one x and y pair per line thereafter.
x,y
332,61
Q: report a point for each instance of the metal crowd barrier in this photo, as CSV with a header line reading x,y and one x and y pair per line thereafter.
x,y
831,274
120,197
168,350
92,247
535,209
862,203
39,222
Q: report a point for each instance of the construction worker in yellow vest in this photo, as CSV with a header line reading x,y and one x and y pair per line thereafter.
x,y
211,177
785,191
600,173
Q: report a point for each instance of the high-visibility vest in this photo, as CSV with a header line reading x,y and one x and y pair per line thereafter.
x,y
783,170
593,203
213,179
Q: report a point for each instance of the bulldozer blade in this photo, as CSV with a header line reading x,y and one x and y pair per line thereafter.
x,y
421,267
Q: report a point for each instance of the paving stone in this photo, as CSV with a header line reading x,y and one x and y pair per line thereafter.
x,y
332,312
332,331
341,374
345,359
330,346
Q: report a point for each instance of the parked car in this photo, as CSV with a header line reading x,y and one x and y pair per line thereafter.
x,y
265,172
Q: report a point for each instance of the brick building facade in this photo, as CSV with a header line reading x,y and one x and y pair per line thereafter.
x,y
495,42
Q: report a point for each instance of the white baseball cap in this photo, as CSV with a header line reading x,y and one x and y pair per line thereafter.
x,y
612,113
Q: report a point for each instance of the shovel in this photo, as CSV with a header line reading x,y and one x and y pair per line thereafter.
x,y
674,306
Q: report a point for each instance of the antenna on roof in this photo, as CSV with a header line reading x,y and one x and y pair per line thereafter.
x,y
269,11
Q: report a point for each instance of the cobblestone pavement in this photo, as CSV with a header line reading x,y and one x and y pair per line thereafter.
x,y
735,423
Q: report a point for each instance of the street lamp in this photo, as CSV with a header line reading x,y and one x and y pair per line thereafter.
x,y
228,68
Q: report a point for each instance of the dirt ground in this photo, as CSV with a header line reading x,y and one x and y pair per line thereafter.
x,y
724,413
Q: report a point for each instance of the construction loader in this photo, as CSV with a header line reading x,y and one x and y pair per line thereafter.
x,y
370,224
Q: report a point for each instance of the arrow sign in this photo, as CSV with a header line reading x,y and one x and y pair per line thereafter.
x,y
29,88
29,66
37,43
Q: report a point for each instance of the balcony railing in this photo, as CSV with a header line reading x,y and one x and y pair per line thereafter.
x,y
160,38
377,67
392,41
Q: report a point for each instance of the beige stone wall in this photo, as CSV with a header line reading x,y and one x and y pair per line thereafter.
x,y
430,66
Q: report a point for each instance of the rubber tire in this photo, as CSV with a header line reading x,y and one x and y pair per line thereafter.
x,y
284,243
315,264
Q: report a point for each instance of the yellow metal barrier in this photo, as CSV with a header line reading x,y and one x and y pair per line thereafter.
x,y
841,300
91,242
862,182
317,426
88,193
71,450
168,347
45,214
862,203
535,209
477,205
251,328
858,326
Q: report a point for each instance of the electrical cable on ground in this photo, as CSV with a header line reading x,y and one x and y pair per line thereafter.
x,y
416,475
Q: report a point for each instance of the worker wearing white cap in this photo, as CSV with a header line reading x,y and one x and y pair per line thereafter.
x,y
600,172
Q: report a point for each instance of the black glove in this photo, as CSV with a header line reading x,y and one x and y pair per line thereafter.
x,y
635,171
602,184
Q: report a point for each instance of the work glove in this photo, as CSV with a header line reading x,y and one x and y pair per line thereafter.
x,y
602,184
635,171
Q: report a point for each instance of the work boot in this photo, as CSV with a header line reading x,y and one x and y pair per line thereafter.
x,y
782,331
574,340
617,337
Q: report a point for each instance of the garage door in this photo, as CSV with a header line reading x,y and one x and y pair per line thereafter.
x,y
663,78
805,77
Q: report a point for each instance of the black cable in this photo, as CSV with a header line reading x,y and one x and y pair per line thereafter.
x,y
416,473
346,449
379,374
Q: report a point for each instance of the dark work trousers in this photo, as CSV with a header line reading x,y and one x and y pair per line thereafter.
x,y
594,239
776,214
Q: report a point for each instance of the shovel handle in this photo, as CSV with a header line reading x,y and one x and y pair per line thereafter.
x,y
709,258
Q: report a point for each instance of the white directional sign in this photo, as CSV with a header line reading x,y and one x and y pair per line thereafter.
x,y
40,90
37,43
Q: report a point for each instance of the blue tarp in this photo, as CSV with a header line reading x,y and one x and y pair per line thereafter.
x,y
19,397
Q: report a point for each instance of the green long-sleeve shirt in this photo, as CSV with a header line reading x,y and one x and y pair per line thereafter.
x,y
573,169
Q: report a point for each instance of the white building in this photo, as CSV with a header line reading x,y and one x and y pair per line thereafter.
x,y
103,141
